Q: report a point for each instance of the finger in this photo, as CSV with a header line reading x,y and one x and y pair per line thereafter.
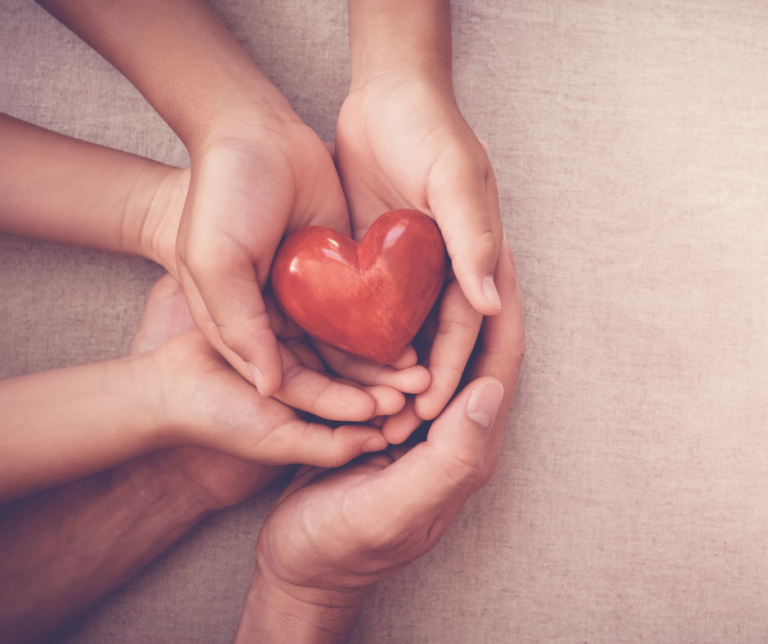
x,y
226,303
388,400
321,395
413,379
398,427
316,444
457,330
463,197
406,359
501,346
443,470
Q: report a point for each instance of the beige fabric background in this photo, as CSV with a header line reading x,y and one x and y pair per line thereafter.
x,y
630,141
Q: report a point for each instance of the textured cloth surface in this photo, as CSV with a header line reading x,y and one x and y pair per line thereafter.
x,y
630,143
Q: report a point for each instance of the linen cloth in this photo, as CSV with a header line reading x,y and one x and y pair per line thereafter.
x,y
630,144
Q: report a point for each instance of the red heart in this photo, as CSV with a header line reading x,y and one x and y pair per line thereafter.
x,y
367,299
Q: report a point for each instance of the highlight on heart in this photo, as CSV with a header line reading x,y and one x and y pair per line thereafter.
x,y
367,299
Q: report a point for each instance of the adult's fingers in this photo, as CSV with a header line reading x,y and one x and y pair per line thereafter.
x,y
502,342
457,329
463,197
437,472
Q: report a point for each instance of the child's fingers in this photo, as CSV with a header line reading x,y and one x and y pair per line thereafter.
x,y
457,331
398,427
408,358
319,394
388,400
412,379
315,444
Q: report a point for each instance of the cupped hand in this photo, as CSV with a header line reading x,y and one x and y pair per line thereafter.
x,y
214,479
401,142
206,403
334,533
251,183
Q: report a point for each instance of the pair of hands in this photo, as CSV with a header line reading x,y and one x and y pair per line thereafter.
x,y
333,533
251,187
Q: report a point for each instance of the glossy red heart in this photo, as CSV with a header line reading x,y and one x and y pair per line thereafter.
x,y
367,299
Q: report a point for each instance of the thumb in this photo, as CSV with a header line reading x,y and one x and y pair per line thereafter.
x,y
445,468
464,200
226,301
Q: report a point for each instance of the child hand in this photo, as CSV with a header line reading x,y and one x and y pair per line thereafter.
x,y
360,391
249,187
206,403
402,142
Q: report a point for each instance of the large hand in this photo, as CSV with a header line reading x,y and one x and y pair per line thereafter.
x,y
334,533
401,141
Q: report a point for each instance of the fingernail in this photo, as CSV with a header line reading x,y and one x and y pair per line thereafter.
x,y
484,403
258,377
490,292
375,444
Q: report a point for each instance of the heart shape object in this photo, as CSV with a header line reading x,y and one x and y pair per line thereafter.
x,y
367,299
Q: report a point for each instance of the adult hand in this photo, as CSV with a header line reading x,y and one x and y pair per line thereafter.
x,y
402,142
332,534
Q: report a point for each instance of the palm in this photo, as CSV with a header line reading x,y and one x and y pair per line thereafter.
x,y
247,191
337,519
218,480
404,144
392,141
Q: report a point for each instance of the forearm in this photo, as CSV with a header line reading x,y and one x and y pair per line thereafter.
x,y
65,190
180,57
274,616
63,424
400,36
64,549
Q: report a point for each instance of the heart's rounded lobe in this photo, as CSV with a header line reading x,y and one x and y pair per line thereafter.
x,y
367,299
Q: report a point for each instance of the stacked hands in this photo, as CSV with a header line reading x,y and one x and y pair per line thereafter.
x,y
222,394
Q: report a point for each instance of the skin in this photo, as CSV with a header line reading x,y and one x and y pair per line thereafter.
x,y
64,549
181,392
402,142
335,533
258,172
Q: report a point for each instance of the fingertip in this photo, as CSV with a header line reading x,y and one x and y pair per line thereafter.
x,y
484,402
408,358
375,444
490,292
398,427
388,401
413,380
430,403
267,379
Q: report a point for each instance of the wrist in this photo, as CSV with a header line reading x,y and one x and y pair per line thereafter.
x,y
159,214
277,612
398,38
250,107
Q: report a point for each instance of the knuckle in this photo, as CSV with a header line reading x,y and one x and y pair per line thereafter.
x,y
462,466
